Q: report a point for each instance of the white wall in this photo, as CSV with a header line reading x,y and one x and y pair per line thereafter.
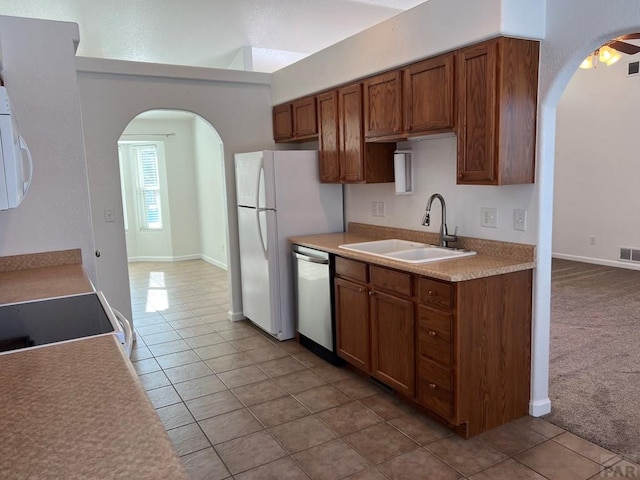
x,y
597,167
209,158
434,163
236,104
39,73
184,228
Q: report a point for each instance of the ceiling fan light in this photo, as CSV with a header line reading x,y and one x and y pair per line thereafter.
x,y
587,63
605,54
616,56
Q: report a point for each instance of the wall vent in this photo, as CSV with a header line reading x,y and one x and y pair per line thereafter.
x,y
633,68
630,254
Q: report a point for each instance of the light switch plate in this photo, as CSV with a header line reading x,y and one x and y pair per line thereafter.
x,y
109,215
520,219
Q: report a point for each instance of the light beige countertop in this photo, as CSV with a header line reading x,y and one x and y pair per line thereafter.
x,y
42,275
43,282
76,410
455,270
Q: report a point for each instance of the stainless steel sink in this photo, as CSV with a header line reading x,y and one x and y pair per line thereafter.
x,y
406,251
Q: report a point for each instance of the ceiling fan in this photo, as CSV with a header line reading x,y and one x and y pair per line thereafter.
x,y
610,52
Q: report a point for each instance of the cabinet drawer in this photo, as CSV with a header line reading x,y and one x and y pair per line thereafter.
x,y
391,280
351,269
434,293
434,373
435,388
434,335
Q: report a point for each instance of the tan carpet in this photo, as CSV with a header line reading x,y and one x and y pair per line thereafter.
x,y
595,354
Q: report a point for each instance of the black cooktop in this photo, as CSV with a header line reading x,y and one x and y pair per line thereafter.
x,y
53,320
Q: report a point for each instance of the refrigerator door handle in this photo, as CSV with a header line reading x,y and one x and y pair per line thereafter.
x,y
259,228
259,177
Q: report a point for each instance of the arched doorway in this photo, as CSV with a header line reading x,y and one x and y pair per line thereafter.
x,y
173,189
594,303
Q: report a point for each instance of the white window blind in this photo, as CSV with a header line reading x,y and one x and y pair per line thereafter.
x,y
148,187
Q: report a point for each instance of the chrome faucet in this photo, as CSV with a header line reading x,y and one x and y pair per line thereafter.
x,y
445,238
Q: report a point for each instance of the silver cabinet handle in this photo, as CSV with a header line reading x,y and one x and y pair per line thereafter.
x,y
304,258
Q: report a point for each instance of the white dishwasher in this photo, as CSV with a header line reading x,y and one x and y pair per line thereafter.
x,y
314,302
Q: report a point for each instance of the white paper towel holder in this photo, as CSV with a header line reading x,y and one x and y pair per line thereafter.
x,y
402,172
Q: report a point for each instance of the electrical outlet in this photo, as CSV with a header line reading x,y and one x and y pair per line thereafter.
x,y
592,240
381,209
374,209
489,217
520,219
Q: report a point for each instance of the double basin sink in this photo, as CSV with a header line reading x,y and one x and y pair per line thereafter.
x,y
406,251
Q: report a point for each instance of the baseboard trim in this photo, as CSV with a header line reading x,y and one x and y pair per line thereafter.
x,y
235,316
537,408
597,261
150,258
213,262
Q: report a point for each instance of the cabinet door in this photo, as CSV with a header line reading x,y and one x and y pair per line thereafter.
x,y
304,118
282,122
428,95
476,75
328,139
352,323
392,338
351,137
383,105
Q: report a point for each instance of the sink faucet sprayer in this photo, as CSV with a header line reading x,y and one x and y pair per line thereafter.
x,y
445,238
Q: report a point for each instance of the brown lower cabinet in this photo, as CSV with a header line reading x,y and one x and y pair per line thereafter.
x,y
352,303
460,350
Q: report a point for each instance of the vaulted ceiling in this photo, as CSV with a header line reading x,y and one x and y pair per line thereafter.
x,y
261,35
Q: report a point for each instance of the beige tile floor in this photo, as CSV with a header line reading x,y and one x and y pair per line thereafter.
x,y
240,405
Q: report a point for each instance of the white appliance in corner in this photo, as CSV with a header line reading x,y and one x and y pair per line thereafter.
x,y
279,196
16,166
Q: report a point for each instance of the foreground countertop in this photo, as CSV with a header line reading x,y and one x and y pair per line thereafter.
x,y
76,410
454,270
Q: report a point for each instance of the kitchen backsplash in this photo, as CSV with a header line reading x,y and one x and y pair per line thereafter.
x,y
515,251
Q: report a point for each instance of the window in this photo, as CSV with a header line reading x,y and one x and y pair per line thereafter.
x,y
150,210
144,186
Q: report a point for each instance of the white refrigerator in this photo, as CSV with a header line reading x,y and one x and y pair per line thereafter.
x,y
279,196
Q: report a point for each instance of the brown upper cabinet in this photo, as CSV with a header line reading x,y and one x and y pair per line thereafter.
x,y
295,121
383,105
415,100
497,85
428,96
282,123
328,139
485,93
344,157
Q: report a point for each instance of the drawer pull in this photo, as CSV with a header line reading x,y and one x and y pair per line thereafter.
x,y
372,293
432,333
360,290
432,293
432,386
